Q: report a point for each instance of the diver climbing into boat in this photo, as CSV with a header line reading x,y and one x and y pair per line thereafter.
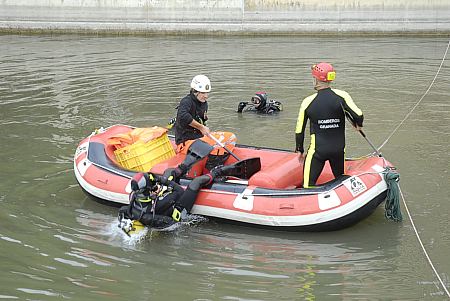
x,y
260,103
159,201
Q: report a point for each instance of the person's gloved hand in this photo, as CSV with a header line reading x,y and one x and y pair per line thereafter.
x,y
143,183
140,181
241,106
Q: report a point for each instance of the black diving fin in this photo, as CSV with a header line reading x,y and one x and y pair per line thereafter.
x,y
197,150
242,169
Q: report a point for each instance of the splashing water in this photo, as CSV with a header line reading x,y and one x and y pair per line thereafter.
x,y
147,233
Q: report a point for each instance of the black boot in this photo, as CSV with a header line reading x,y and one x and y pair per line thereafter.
x,y
176,173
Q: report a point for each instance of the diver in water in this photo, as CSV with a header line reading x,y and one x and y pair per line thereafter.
x,y
261,104
159,201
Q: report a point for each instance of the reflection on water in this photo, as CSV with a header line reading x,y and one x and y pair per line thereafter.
x,y
55,242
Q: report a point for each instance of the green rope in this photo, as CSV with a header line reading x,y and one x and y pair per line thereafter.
x,y
392,205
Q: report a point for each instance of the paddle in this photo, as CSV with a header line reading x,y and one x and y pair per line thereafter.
x,y
243,169
370,143
223,146
172,122
353,122
199,149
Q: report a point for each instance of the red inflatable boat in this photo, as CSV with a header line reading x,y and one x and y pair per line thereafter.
x,y
270,198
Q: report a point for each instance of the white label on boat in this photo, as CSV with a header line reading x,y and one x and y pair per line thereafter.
x,y
83,166
377,168
244,200
128,187
355,185
328,200
81,149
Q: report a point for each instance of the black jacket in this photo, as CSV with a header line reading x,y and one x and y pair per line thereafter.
x,y
140,207
189,109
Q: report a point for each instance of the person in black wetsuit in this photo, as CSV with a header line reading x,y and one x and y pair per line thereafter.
x,y
190,123
159,201
260,103
326,111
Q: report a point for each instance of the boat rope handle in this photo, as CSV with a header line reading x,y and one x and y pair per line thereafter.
x,y
419,101
294,193
421,244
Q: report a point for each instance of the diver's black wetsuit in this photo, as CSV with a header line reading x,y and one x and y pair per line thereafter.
x,y
326,111
170,202
269,107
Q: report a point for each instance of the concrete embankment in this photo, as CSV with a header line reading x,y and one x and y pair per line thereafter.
x,y
227,16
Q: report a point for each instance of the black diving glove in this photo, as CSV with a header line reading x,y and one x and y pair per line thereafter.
x,y
241,106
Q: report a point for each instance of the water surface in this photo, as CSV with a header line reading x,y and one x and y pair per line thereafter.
x,y
57,243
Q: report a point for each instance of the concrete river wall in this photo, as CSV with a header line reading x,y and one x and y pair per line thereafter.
x,y
227,16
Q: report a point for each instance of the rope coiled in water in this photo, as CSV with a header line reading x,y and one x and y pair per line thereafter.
x,y
392,205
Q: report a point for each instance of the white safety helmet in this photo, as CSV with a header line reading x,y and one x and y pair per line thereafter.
x,y
201,83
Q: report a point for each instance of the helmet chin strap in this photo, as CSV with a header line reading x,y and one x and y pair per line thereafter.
x,y
316,84
319,85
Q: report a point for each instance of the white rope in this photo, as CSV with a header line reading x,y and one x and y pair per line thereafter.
x,y
421,244
423,96
401,193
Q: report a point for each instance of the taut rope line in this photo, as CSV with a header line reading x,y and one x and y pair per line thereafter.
x,y
420,100
401,193
421,244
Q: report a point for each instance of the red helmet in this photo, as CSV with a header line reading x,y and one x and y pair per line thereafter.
x,y
323,72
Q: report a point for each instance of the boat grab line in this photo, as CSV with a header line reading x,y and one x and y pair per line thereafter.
x,y
303,192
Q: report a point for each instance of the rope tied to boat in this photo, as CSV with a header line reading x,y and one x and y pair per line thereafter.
x,y
392,205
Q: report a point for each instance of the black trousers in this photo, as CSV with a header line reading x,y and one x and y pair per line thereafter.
x,y
187,200
315,161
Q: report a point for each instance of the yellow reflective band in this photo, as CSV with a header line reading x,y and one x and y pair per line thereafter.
x,y
170,178
145,200
348,100
150,176
331,75
163,190
301,115
176,215
309,156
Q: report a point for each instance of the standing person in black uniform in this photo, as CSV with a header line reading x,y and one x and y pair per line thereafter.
x,y
192,111
260,104
326,111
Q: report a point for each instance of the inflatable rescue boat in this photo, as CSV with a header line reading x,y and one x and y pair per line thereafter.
x,y
271,197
